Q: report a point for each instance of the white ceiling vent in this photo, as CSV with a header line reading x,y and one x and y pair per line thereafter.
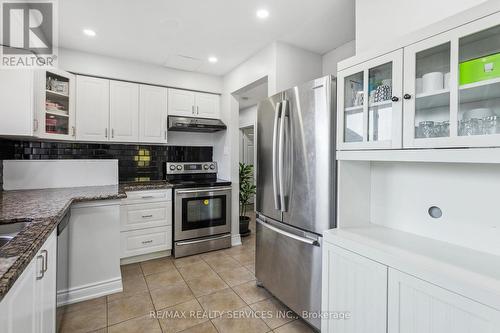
x,y
183,62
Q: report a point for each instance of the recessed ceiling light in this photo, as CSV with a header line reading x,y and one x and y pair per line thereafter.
x,y
262,13
213,60
89,32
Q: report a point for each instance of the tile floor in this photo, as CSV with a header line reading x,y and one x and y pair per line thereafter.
x,y
220,283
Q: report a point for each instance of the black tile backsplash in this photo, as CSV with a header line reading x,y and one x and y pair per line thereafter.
x,y
135,162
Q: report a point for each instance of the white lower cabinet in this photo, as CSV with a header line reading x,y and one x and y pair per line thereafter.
x,y
146,223
30,305
417,306
382,299
355,285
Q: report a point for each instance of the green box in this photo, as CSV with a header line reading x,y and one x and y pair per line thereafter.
x,y
480,69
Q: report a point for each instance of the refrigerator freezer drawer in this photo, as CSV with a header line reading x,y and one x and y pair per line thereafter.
x,y
289,266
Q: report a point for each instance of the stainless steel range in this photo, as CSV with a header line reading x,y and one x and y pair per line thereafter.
x,y
202,208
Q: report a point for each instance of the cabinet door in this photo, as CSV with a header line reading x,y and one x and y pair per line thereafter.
x,y
429,102
16,94
17,309
369,104
124,111
55,104
207,106
415,306
355,285
46,287
92,109
152,114
181,103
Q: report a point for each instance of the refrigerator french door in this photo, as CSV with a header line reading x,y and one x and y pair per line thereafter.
x,y
295,200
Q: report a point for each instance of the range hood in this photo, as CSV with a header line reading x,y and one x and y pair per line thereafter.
x,y
191,124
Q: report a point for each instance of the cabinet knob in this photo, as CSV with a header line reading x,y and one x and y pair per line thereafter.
x,y
395,99
407,96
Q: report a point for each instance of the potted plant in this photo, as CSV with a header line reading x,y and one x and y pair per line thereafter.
x,y
247,189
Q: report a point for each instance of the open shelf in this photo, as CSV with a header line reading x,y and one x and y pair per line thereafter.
x,y
57,113
54,93
480,91
476,274
434,99
354,109
380,104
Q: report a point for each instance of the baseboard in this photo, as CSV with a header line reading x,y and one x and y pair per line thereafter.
x,y
144,257
235,240
89,291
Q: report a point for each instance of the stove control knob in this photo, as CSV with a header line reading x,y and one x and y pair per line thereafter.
x,y
179,167
205,166
212,166
172,167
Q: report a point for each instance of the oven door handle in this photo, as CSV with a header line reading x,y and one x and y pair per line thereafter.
x,y
204,190
202,240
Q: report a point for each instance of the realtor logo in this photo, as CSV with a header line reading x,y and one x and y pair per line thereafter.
x,y
28,34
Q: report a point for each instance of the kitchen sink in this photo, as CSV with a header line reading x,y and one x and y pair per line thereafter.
x,y
10,230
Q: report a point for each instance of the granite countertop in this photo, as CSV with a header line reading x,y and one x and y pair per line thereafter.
x,y
43,210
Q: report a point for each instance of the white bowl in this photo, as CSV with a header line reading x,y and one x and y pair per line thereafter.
x,y
478,113
432,82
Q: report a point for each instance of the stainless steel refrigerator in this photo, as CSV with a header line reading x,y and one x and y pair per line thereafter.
x,y
295,200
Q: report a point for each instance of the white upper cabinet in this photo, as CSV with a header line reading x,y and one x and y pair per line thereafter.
x,y
370,104
92,109
152,114
54,102
450,90
181,103
124,111
207,105
186,103
37,103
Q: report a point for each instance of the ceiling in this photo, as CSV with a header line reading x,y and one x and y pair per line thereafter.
x,y
252,96
184,33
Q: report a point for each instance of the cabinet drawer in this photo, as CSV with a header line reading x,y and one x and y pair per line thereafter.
x,y
137,242
147,196
139,216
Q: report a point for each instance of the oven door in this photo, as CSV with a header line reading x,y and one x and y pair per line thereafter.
x,y
201,212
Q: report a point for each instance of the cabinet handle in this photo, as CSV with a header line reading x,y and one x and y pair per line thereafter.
x,y
407,96
395,99
165,134
35,125
45,260
147,242
147,196
106,133
146,216
112,133
42,272
74,130
192,109
197,110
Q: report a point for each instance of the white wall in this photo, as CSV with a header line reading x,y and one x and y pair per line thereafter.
x,y
248,116
380,21
114,68
295,65
284,66
93,64
331,59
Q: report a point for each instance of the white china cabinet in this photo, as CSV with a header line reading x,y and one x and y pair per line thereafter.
x,y
450,89
187,103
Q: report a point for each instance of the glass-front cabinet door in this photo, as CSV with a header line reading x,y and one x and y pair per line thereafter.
x,y
369,104
452,88
55,118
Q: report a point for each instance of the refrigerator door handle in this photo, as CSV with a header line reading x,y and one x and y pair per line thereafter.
x,y
281,158
309,241
276,152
